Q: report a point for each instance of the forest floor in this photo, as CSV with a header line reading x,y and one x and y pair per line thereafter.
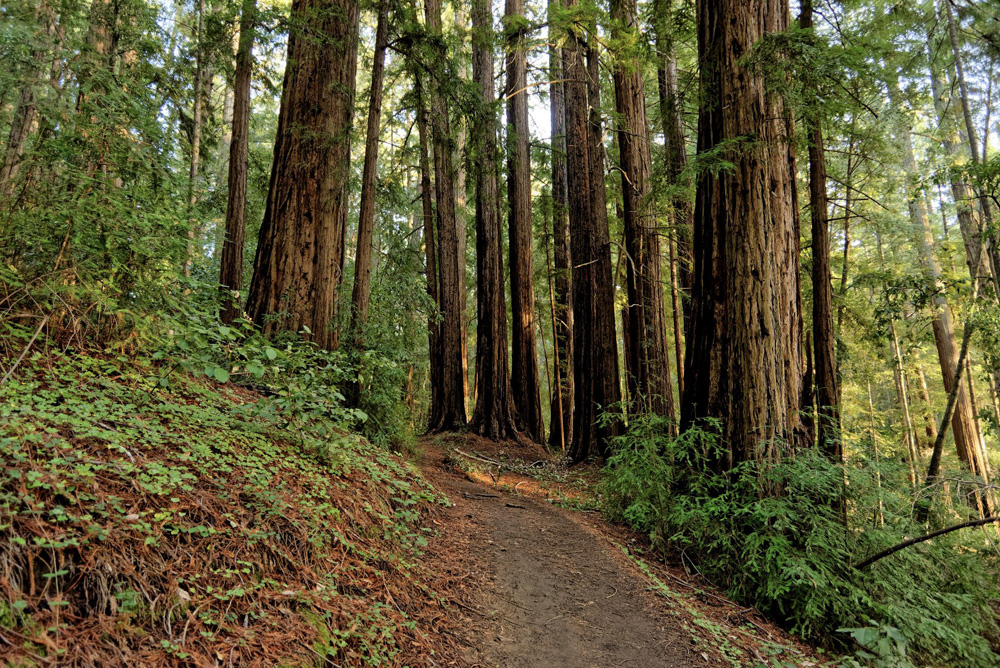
x,y
540,583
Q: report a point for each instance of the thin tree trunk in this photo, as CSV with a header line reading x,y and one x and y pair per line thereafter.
x,y
231,262
494,415
971,134
524,358
970,223
930,425
297,269
460,210
824,339
744,338
562,403
676,163
967,439
361,293
451,413
647,362
198,107
26,110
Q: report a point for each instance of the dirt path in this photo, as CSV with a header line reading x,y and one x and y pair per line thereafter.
x,y
545,589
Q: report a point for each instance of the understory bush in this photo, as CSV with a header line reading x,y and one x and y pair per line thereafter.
x,y
773,535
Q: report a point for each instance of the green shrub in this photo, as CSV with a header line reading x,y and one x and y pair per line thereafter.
x,y
772,536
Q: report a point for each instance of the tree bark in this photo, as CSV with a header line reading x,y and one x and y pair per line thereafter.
x,y
647,359
968,441
675,165
824,338
495,415
524,360
361,292
561,429
451,413
595,255
430,252
298,265
595,364
231,262
744,346
26,109
461,188
197,113
970,223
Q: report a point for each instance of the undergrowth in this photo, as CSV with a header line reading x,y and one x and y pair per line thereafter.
x,y
154,513
772,536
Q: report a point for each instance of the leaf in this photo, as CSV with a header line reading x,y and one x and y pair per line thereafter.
x,y
271,353
221,375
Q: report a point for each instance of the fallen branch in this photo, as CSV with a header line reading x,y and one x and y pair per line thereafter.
x,y
927,536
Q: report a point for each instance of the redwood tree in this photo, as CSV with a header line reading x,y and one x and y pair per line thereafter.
x,y
823,337
595,354
361,290
744,351
647,359
522,297
561,413
494,415
300,251
449,413
231,262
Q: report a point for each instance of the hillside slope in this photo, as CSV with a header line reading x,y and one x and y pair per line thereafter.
x,y
190,524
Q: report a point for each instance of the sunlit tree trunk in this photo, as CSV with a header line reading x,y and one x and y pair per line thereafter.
x,y
561,429
675,163
494,415
524,359
647,359
744,350
231,262
430,253
451,412
297,269
595,355
968,441
361,292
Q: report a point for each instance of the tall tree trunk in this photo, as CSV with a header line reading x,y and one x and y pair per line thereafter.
x,y
231,262
647,362
461,189
974,235
930,424
297,268
675,163
197,113
451,413
561,412
366,217
970,133
968,441
25,111
495,415
595,363
824,338
524,360
744,346
430,252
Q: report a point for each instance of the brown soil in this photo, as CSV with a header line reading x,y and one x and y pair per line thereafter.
x,y
538,586
541,587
